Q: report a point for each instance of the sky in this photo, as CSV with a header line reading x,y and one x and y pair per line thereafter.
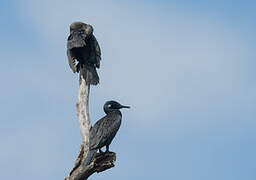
x,y
186,68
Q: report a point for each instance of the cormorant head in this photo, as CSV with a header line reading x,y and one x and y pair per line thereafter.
x,y
82,27
110,106
79,32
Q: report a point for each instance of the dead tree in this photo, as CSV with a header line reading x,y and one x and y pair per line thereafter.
x,y
102,161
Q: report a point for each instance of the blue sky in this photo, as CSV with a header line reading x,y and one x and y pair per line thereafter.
x,y
187,69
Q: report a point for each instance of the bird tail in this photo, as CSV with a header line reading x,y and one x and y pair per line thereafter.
x,y
90,75
91,154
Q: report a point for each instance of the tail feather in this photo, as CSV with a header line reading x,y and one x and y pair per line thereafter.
x,y
91,154
90,75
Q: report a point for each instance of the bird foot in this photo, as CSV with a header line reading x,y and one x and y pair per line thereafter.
x,y
108,152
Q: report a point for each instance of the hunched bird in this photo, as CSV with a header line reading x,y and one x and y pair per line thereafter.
x,y
104,130
83,47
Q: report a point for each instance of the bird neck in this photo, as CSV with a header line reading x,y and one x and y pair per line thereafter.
x,y
108,111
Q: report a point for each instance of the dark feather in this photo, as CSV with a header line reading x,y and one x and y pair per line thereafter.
x,y
104,130
83,47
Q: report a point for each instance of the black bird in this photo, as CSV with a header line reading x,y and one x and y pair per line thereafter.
x,y
83,47
104,130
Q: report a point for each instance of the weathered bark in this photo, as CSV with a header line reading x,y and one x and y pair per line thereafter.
x,y
83,111
102,161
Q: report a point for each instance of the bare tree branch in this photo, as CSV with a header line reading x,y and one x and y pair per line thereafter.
x,y
102,161
83,110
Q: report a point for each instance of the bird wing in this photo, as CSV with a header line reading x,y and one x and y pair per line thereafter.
x,y
97,51
71,61
96,134
104,130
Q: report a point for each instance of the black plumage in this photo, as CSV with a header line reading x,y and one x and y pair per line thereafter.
x,y
83,47
104,130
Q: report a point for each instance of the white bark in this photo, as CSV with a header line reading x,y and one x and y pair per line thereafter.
x,y
83,111
102,161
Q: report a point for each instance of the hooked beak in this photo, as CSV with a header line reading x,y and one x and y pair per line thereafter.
x,y
124,106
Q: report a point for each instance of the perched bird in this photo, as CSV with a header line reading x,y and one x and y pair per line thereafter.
x,y
104,130
83,47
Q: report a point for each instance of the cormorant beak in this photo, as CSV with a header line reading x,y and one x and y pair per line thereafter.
x,y
124,106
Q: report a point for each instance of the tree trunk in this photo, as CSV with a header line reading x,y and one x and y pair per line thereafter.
x,y
101,162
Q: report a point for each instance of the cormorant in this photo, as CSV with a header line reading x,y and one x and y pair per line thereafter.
x,y
83,47
104,130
